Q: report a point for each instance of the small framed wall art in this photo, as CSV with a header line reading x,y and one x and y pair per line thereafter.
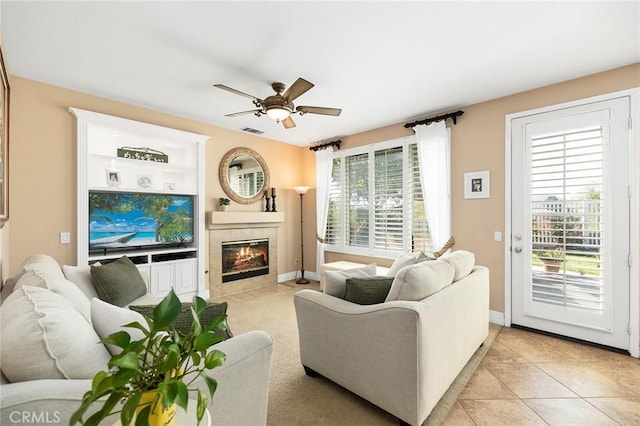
x,y
477,184
113,178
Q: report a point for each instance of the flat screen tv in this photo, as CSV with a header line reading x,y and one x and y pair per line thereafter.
x,y
128,220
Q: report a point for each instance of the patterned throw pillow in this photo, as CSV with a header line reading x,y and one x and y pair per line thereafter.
x,y
367,291
185,319
118,282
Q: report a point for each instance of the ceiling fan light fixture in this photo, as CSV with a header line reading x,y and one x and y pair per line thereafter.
x,y
278,113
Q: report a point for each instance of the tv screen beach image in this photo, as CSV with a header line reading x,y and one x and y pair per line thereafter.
x,y
121,220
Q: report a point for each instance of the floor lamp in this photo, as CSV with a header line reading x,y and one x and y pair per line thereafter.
x,y
301,190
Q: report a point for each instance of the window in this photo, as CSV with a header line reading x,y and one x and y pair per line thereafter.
x,y
376,206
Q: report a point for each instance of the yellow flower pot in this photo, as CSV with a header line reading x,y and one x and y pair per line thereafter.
x,y
159,416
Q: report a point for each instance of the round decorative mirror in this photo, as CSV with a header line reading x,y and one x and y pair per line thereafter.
x,y
244,175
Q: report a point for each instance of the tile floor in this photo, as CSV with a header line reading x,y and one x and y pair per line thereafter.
x,y
528,378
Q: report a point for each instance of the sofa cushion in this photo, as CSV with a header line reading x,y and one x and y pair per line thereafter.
x,y
118,282
402,260
81,277
43,337
44,264
367,291
335,281
462,262
108,319
60,286
415,282
185,319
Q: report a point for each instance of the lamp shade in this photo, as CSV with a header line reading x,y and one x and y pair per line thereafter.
x,y
278,113
301,190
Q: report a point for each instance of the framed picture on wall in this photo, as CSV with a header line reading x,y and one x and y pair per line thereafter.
x,y
4,141
477,184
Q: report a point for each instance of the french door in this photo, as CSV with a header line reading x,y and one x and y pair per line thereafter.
x,y
570,221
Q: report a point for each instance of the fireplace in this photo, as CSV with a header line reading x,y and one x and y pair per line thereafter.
x,y
244,259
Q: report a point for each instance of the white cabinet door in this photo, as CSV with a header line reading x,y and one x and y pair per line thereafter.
x,y
186,276
162,278
181,275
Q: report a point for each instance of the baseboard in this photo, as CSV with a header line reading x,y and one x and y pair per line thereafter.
x,y
496,317
288,276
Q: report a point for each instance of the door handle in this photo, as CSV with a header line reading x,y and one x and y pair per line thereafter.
x,y
517,249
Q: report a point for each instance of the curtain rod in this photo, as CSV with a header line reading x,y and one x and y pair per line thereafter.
x,y
453,115
326,145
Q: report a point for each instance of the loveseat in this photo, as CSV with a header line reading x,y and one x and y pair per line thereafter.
x,y
401,354
50,349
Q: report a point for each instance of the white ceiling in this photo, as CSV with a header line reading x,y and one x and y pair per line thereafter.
x,y
382,62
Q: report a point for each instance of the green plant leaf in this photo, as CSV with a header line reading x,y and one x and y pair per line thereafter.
x,y
204,341
214,359
202,406
199,304
97,379
127,360
99,415
76,417
196,327
120,339
169,391
140,327
143,416
195,358
166,311
170,361
182,396
218,322
129,408
211,383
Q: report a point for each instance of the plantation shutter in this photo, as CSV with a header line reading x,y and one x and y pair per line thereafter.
x,y
568,217
334,224
388,199
420,237
357,200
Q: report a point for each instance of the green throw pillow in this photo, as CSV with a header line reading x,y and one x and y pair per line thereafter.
x,y
367,291
185,319
118,282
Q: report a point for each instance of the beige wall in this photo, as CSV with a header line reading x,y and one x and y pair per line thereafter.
x,y
477,143
43,169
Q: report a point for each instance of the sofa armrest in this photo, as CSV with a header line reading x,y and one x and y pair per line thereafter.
x,y
240,399
243,380
42,402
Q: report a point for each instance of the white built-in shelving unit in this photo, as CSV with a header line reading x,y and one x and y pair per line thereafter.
x,y
99,137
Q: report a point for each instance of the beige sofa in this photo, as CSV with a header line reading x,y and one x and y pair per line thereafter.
x,y
50,350
403,354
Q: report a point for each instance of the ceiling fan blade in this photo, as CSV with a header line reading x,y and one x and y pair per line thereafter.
x,y
319,110
298,88
237,114
288,123
237,92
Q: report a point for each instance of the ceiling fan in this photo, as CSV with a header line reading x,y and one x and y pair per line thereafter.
x,y
280,106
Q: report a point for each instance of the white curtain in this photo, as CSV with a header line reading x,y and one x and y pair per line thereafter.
x,y
324,163
434,157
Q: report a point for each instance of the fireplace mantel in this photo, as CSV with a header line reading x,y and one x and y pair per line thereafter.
x,y
221,220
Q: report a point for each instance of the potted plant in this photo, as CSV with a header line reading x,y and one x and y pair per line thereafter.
x,y
551,258
154,374
223,203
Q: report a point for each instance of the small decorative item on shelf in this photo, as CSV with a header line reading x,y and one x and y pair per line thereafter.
x,y
266,197
223,203
143,154
273,202
163,360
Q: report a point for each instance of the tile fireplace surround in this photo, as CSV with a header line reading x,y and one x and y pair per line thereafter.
x,y
236,226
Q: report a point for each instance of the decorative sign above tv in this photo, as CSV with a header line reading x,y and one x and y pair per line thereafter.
x,y
143,154
127,220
